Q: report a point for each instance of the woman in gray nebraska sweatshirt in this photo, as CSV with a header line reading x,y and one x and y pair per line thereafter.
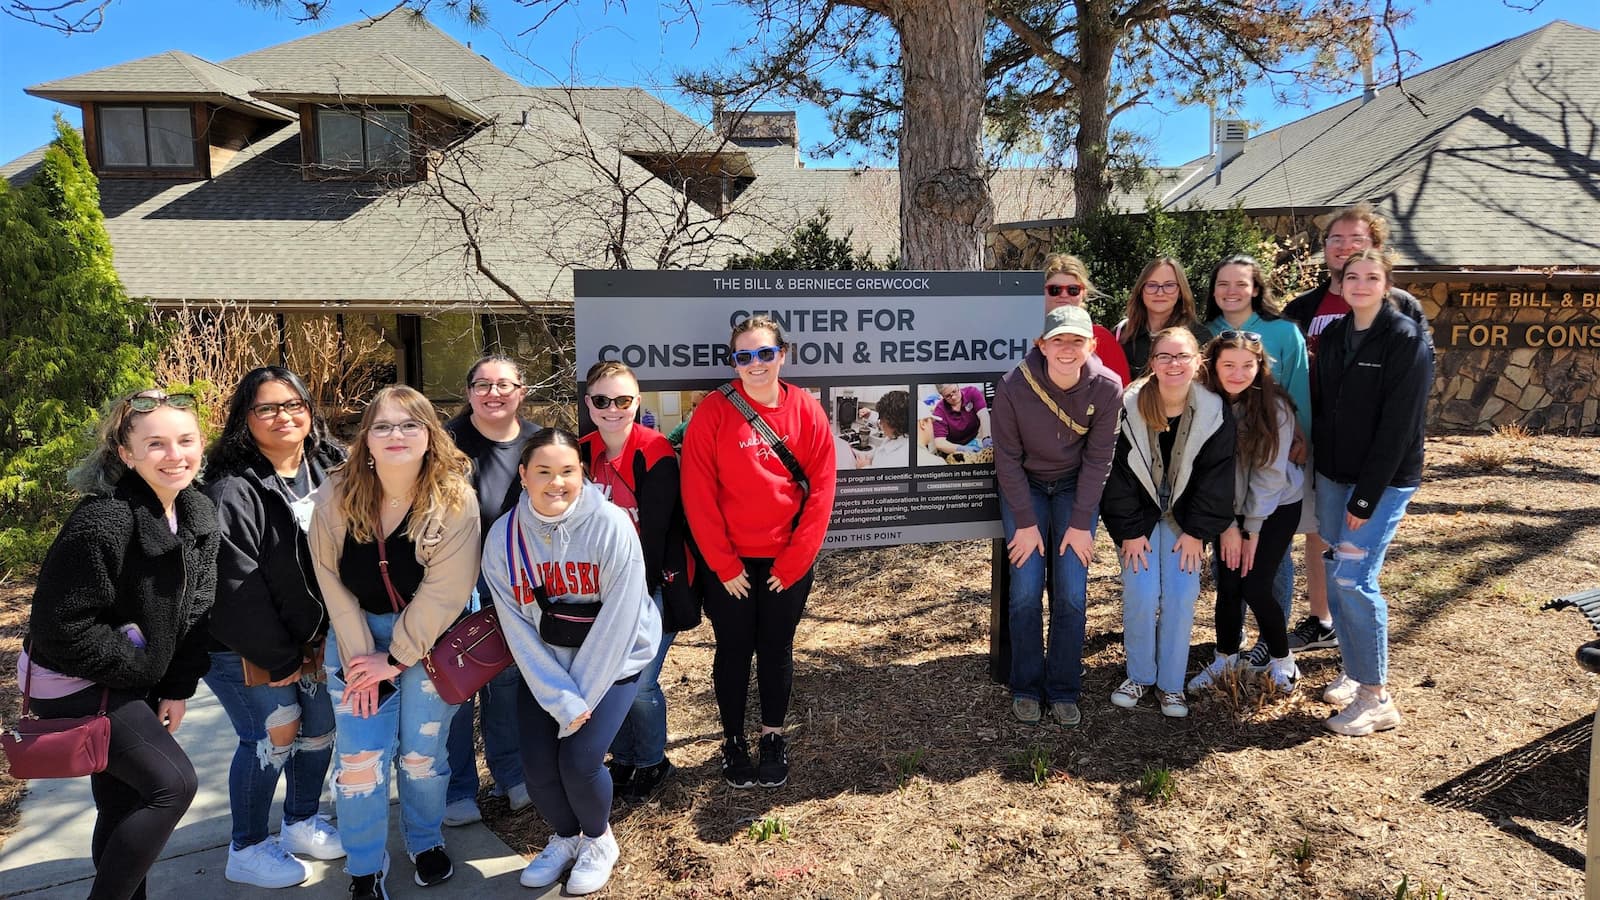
x,y
564,537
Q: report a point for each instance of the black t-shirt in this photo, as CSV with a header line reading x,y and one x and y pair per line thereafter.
x,y
494,466
358,569
1166,439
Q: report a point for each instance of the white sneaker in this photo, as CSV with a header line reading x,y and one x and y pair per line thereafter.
x,y
314,837
1363,716
595,861
1341,692
1173,706
462,812
1128,693
265,865
547,868
1210,675
1284,674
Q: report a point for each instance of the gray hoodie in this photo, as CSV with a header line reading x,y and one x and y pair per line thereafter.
x,y
1259,491
592,554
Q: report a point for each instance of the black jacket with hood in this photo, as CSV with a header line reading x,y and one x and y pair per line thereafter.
x,y
1202,471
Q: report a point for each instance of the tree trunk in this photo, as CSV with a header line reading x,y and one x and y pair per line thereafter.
x,y
1097,45
945,207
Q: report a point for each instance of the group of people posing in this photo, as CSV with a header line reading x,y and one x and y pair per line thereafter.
x,y
306,581
1245,426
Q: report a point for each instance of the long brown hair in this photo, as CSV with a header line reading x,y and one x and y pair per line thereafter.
x,y
1257,410
1139,317
1155,417
442,486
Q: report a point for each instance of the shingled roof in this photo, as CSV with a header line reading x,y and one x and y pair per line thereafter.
x,y
179,75
1499,168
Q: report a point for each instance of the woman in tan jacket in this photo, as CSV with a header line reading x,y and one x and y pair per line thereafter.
x,y
395,540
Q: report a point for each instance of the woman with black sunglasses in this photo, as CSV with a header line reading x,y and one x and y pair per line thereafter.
x,y
758,530
1066,283
117,624
269,623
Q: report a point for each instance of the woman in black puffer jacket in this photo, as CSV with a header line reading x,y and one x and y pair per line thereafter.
x,y
119,614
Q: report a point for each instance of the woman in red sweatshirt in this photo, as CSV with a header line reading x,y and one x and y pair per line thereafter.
x,y
758,529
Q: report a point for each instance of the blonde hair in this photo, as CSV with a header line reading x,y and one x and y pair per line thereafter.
x,y
1067,264
1155,417
442,486
98,472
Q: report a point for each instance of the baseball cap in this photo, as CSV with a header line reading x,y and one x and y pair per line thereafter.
x,y
1067,320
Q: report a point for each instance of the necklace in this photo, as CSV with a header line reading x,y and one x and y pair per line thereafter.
x,y
394,502
289,489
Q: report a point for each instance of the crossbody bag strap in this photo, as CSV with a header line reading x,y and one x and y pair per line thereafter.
x,y
27,681
1050,402
767,434
383,569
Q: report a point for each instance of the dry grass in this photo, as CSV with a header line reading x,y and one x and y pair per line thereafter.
x,y
910,779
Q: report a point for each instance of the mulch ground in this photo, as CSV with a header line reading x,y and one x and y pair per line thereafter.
x,y
911,780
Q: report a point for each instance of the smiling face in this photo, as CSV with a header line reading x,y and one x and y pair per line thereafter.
x,y
1346,237
612,421
498,406
164,448
758,377
1234,290
1065,354
1363,284
1237,368
1067,281
552,476
283,431
1160,294
397,448
1175,363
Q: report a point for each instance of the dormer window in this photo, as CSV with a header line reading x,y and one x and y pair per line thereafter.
x,y
147,137
373,139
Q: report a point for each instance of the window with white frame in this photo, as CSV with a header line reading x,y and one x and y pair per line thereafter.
x,y
146,137
376,139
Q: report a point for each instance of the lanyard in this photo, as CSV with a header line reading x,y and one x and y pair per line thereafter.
x,y
517,590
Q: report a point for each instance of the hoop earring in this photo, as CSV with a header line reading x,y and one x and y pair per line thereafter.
x,y
369,462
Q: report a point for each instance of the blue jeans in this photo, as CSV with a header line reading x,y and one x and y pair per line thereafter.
x,y
1054,675
1360,614
499,726
257,763
408,733
1158,614
642,739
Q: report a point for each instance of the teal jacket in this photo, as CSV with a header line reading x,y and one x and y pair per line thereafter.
x,y
1287,346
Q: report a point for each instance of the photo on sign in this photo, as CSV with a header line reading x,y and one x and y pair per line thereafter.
x,y
668,412
871,426
953,421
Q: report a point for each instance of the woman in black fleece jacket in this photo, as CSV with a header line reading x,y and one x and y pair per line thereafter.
x,y
119,613
273,452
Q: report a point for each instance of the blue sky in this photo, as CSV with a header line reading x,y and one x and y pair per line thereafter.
x,y
595,43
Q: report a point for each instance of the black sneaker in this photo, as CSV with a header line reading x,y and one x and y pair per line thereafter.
x,y
433,867
368,887
647,780
774,766
1311,635
1258,659
621,776
736,765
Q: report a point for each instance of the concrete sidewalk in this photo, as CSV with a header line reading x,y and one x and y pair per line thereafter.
x,y
47,857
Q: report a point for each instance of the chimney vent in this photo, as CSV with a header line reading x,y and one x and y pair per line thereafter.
x,y
1231,135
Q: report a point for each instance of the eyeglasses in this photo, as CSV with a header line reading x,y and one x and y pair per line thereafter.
x,y
1167,359
1165,287
145,402
1056,290
742,358
1248,337
269,411
621,401
409,428
1339,240
482,388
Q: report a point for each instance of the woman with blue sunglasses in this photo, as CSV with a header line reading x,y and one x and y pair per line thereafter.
x,y
758,528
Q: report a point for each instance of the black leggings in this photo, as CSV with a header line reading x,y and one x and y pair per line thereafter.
x,y
761,624
145,789
1255,589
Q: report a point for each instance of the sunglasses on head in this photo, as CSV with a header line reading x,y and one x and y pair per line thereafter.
x,y
742,358
1248,337
145,403
1056,290
621,401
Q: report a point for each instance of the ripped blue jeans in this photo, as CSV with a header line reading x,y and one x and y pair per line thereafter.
x,y
258,762
407,735
1360,612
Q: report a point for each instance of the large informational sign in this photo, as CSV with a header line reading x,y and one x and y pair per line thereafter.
x,y
904,363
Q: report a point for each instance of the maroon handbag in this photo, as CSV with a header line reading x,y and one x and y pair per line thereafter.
x,y
465,657
57,748
471,653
